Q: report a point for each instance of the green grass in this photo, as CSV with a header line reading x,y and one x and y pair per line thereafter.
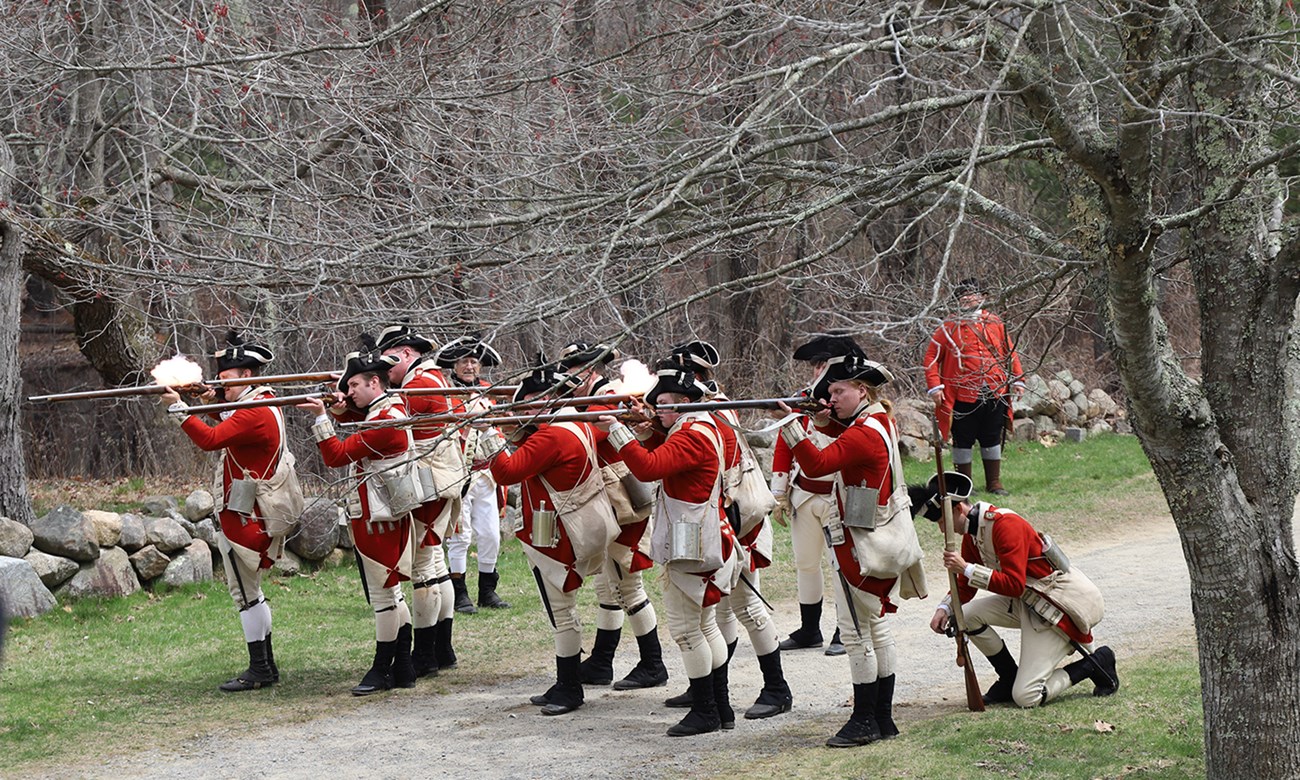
x,y
1155,721
96,677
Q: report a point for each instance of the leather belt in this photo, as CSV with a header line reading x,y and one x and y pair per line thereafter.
x,y
818,486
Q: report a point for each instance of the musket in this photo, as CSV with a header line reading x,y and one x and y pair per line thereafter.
x,y
488,415
496,390
974,699
257,403
192,389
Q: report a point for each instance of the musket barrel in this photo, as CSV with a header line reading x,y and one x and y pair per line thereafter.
x,y
496,390
255,403
111,392
124,392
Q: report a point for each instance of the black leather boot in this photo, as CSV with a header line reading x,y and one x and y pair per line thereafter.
x,y
566,695
442,644
487,591
1100,669
775,698
463,603
809,632
650,671
861,728
270,659
598,668
836,647
1005,665
380,675
403,668
257,675
722,692
425,657
885,707
703,716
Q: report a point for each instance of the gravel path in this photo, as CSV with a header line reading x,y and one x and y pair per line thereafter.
x,y
498,735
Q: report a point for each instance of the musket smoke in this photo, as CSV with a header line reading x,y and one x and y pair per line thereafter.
x,y
177,371
636,379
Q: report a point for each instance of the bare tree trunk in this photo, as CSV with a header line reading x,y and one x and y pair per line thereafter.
x,y
14,500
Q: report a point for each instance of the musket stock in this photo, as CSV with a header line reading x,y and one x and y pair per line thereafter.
x,y
257,403
974,698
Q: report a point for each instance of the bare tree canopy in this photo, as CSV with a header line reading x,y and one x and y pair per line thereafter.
x,y
747,172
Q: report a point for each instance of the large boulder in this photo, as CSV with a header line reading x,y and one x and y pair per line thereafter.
x,y
108,526
183,522
914,424
132,532
198,505
318,530
1106,406
149,562
110,575
21,589
15,538
206,530
916,449
53,570
193,565
1036,400
66,532
1024,430
166,534
159,505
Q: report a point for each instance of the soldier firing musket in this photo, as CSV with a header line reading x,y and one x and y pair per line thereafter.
x,y
187,382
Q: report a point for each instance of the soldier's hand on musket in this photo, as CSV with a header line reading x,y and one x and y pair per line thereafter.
x,y
169,396
939,623
953,562
314,405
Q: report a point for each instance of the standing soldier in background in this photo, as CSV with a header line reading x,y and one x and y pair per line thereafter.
x,y
807,505
618,585
481,506
971,369
252,445
440,457
379,510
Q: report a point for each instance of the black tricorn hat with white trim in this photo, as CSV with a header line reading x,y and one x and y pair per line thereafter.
x,y
671,376
367,360
584,354
845,367
241,354
546,378
401,334
467,346
925,498
697,353
825,346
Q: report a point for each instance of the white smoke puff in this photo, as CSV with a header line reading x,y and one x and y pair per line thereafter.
x,y
177,371
636,379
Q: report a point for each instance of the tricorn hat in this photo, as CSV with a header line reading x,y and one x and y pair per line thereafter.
x,y
925,498
546,378
403,335
673,377
968,286
368,359
467,346
241,354
697,353
825,346
844,367
584,354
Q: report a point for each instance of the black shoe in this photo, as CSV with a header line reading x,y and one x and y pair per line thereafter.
x,y
598,668
855,733
442,648
543,699
566,695
403,666
644,675
1106,679
722,697
775,697
802,640
270,659
1000,691
424,657
258,674
379,677
836,647
487,591
885,707
463,603
679,701
703,717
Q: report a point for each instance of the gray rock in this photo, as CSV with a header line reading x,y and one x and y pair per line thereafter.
x,y
1080,402
67,533
914,424
183,522
53,570
318,530
761,439
1044,424
133,537
157,506
110,575
1069,413
916,449
149,562
193,565
108,526
21,589
1059,391
1098,427
288,564
206,529
345,534
1024,429
1106,404
1064,377
1037,399
1073,434
1076,387
15,538
198,505
166,534
337,557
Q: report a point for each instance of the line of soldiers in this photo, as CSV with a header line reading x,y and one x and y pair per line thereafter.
x,y
588,511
